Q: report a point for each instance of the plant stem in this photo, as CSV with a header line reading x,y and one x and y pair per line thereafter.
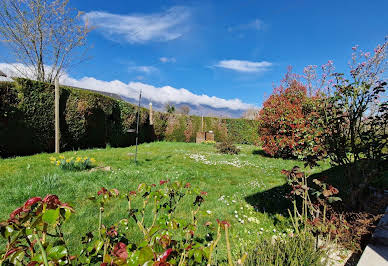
x,y
44,256
228,246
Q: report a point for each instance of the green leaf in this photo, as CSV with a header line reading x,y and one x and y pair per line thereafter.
x,y
56,252
51,216
198,256
145,255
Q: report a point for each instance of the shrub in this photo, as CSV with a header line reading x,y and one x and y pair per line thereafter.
x,y
73,164
290,122
227,147
299,249
34,233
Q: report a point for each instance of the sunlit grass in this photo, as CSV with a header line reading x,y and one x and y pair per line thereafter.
x,y
228,179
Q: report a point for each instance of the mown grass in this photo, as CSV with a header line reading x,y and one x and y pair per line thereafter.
x,y
232,182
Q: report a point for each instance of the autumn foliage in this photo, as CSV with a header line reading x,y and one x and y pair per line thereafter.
x,y
290,122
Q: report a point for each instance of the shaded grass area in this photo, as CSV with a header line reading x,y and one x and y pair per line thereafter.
x,y
248,185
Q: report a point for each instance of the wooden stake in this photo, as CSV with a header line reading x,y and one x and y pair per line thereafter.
x,y
151,115
137,126
57,133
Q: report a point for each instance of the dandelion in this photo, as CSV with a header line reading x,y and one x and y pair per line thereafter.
x,y
93,160
61,157
58,163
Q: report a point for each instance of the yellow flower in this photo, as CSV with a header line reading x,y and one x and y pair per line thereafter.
x,y
52,159
58,162
61,157
78,159
93,160
68,160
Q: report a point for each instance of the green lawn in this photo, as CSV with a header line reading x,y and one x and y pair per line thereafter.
x,y
248,185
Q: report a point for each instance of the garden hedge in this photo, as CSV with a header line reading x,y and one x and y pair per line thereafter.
x,y
90,120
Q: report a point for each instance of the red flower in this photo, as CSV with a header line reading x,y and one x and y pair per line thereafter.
x,y
52,201
16,212
120,251
163,182
133,193
153,185
112,232
31,202
204,193
102,191
188,185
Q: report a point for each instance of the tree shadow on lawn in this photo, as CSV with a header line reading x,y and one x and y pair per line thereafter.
x,y
274,200
262,153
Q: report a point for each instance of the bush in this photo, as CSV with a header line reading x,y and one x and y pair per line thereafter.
x,y
294,250
290,122
227,147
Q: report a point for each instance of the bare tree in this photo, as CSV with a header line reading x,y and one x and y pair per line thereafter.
x,y
251,114
45,36
184,110
170,108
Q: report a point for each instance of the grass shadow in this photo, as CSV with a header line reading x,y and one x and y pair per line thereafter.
x,y
262,153
272,201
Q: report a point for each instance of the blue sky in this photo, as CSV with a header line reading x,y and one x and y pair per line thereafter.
x,y
228,49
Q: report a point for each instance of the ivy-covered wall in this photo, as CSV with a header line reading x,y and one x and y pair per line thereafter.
x,y
91,120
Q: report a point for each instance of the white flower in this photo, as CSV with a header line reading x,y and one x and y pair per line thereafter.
x,y
208,212
242,221
262,229
233,201
236,216
274,230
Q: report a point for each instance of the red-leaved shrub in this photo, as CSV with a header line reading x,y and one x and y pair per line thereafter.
x,y
290,122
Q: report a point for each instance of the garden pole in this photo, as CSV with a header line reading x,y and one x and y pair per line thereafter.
x,y
57,115
137,126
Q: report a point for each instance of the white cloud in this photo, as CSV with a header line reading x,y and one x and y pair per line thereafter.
x,y
143,69
141,28
162,95
244,66
167,59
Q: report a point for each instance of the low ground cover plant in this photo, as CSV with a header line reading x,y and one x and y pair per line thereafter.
x,y
73,164
227,147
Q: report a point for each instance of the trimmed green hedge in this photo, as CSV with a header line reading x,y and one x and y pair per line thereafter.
x,y
90,119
